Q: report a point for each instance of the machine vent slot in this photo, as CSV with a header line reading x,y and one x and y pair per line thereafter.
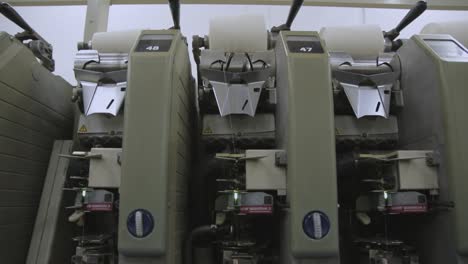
x,y
110,103
245,104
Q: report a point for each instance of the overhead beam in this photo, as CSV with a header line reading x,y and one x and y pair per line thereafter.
x,y
46,2
432,4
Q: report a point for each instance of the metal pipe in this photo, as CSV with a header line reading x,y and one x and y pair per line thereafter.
x,y
206,230
397,4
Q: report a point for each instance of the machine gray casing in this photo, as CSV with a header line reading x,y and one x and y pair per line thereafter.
x,y
305,128
50,231
157,149
35,109
435,117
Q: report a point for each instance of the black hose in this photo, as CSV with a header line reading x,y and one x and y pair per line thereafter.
x,y
14,17
206,230
295,6
413,13
175,11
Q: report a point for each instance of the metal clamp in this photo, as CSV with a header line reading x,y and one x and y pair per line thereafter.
x,y
281,159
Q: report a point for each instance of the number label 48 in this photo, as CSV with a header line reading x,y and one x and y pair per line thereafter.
x,y
152,48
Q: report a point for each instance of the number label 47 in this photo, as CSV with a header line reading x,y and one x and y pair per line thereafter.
x,y
306,49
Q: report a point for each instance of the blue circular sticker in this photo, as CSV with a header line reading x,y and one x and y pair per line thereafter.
x,y
140,223
316,225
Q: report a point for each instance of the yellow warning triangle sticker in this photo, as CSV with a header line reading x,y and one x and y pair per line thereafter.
x,y
207,130
83,129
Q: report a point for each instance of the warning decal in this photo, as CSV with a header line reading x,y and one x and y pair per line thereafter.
x,y
83,129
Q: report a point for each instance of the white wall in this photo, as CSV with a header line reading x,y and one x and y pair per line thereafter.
x,y
63,26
